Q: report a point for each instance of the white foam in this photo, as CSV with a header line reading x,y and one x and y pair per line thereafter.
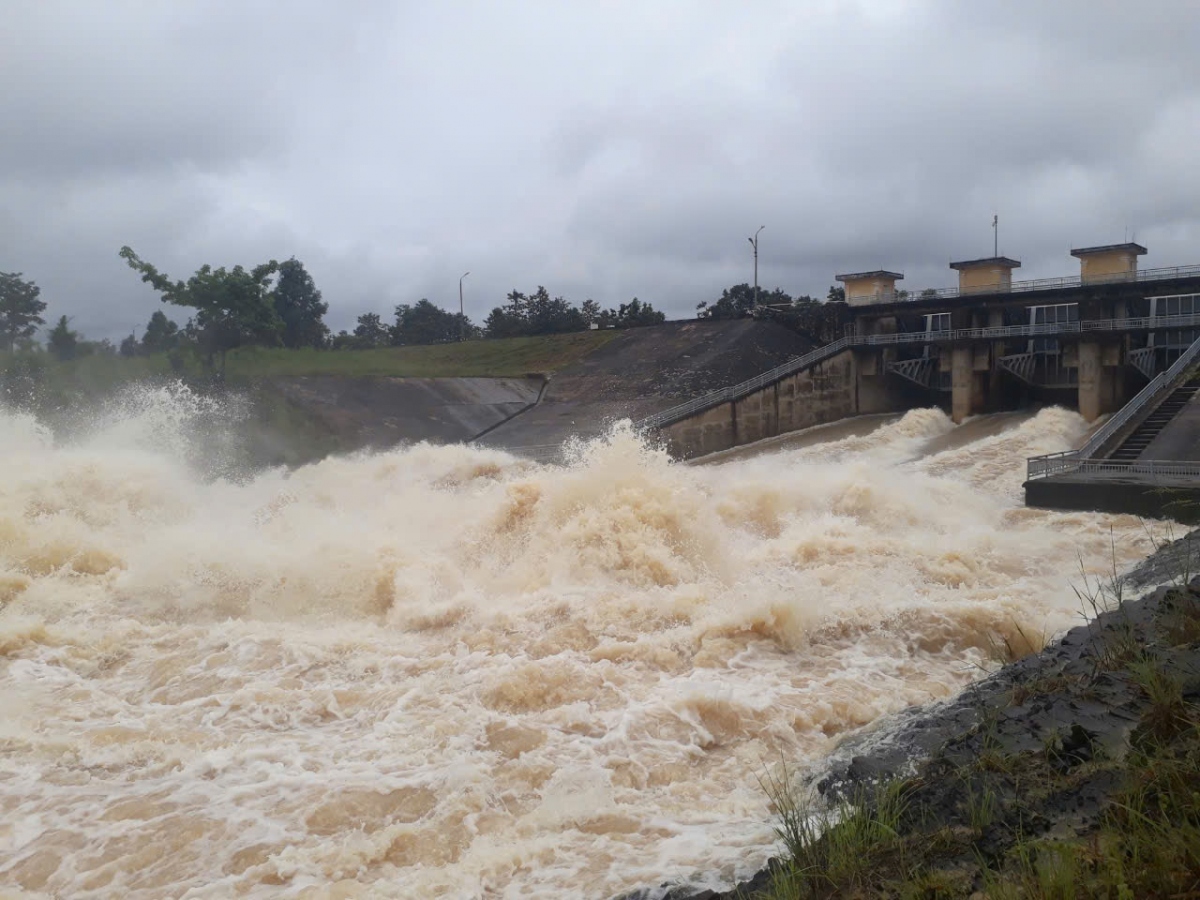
x,y
442,669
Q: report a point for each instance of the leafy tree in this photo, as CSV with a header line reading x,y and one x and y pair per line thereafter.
x,y
63,342
547,316
536,313
161,334
821,322
129,346
20,309
425,323
371,332
233,307
298,304
591,312
927,294
507,321
837,294
737,302
343,340
633,314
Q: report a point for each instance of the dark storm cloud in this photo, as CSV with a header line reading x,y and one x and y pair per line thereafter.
x,y
605,150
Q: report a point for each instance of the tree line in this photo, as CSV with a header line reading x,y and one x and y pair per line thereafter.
x,y
822,321
278,304
523,315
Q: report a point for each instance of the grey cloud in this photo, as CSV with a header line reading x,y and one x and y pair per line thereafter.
x,y
605,151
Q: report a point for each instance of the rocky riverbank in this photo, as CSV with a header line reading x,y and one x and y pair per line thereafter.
x,y
1071,772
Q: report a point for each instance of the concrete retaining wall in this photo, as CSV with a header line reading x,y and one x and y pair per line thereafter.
x,y
829,391
1150,500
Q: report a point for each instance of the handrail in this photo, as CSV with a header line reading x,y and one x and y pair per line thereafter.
x,y
1079,460
1165,273
1153,469
1141,399
999,332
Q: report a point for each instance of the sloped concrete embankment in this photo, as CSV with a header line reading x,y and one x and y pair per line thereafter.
x,y
646,370
305,417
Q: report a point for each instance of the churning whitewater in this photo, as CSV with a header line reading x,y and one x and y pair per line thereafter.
x,y
446,672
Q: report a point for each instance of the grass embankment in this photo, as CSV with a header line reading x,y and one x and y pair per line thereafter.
x,y
499,358
1064,811
97,375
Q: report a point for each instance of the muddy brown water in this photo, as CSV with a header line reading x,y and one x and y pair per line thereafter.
x,y
443,671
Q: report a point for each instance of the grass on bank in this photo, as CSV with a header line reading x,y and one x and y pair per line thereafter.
x,y
96,375
498,358
1012,825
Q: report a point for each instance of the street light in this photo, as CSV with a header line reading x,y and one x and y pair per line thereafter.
x,y
462,319
754,243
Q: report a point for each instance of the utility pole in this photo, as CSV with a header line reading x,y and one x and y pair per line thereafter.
x,y
462,318
995,234
754,243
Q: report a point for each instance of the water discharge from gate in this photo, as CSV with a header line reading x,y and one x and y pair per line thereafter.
x,y
442,671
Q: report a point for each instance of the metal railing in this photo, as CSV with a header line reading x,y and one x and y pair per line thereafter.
x,y
1000,332
1080,460
1166,273
1144,397
1155,470
724,395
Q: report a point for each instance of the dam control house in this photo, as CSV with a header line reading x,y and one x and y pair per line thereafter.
x,y
1089,341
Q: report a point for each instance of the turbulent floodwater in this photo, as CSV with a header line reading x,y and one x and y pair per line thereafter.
x,y
443,672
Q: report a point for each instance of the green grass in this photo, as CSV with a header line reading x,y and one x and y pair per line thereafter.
x,y
499,358
56,384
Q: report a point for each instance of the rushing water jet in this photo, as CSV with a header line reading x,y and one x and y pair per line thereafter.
x,y
442,671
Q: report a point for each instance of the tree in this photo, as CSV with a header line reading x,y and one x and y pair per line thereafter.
x,y
425,323
633,314
298,304
129,346
63,342
509,320
233,307
161,334
737,302
547,316
20,309
536,313
821,322
591,312
371,332
837,294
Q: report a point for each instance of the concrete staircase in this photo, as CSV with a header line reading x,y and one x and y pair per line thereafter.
x,y
1154,423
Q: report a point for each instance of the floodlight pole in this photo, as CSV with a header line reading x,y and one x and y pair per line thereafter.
x,y
462,318
754,243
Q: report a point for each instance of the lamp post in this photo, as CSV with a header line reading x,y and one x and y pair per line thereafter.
x,y
754,243
462,318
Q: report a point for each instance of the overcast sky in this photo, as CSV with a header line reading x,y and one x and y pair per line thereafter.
x,y
604,149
